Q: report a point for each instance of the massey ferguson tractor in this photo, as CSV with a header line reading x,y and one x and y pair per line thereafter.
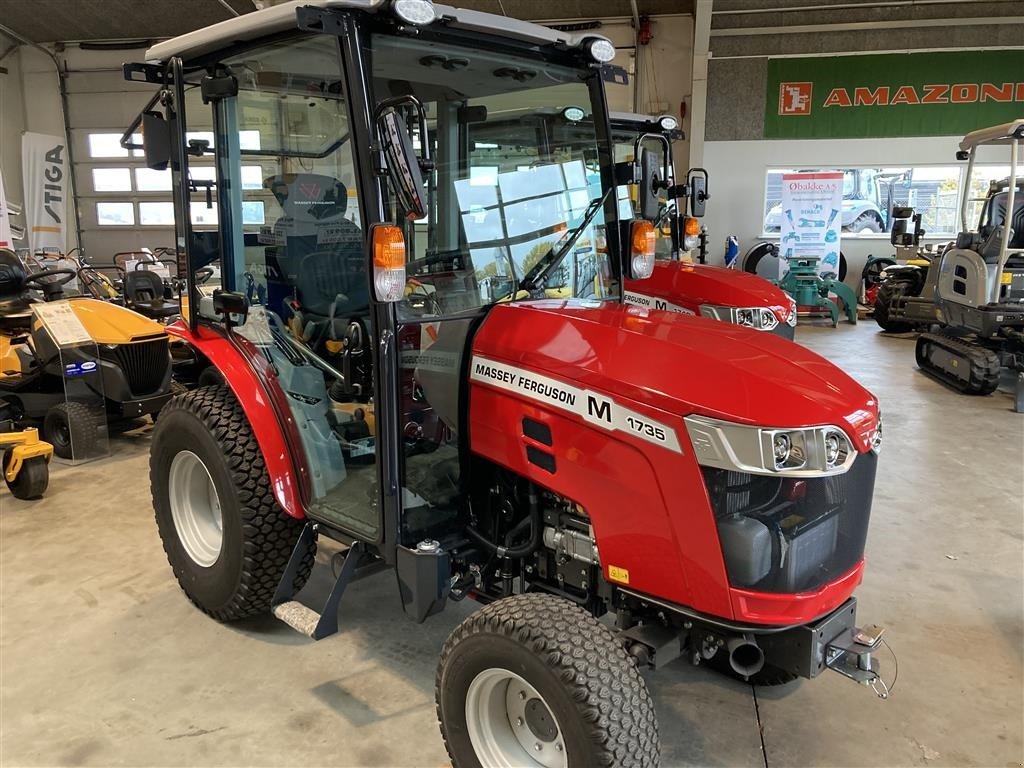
x,y
677,283
390,374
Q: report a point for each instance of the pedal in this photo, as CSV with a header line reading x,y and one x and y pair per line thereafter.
x,y
299,617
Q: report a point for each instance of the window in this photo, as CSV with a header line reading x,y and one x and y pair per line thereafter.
x,y
156,214
115,214
203,216
109,145
870,194
111,180
148,180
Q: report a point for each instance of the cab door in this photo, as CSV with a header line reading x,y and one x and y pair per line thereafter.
x,y
292,228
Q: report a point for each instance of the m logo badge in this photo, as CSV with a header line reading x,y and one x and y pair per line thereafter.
x,y
795,98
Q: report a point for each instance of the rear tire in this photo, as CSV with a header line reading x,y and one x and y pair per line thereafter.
x,y
73,430
865,223
579,690
889,291
226,537
32,479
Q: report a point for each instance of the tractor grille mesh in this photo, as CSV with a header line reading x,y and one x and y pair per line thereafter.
x,y
791,535
144,364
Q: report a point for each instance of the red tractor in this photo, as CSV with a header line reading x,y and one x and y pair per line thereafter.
x,y
380,366
678,283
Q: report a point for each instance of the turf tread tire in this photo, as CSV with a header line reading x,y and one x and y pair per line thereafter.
x,y
83,423
590,664
269,534
32,479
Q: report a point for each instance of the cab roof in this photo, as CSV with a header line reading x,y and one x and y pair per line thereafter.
x,y
997,134
280,18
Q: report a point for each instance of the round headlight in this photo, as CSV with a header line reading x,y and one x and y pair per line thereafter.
x,y
416,12
745,317
781,448
602,50
832,448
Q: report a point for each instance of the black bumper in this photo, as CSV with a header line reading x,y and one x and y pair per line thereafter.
x,y
133,409
801,650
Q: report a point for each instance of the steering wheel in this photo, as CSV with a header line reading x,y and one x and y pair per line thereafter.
x,y
50,288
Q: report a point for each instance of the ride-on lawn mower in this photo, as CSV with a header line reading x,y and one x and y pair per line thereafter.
x,y
70,364
974,289
677,283
557,460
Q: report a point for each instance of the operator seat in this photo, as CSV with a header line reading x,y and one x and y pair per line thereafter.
x,y
15,300
144,293
319,250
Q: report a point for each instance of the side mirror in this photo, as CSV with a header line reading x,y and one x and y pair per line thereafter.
x,y
229,303
403,165
699,194
649,183
156,141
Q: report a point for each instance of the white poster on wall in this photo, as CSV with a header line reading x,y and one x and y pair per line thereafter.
x,y
812,205
45,174
6,240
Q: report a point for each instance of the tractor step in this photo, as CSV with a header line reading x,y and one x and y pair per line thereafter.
x,y
301,617
959,363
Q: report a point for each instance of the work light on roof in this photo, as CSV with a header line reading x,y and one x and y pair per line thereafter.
x,y
418,12
668,123
602,50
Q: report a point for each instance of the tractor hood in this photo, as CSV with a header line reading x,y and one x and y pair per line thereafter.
x,y
678,364
108,323
692,285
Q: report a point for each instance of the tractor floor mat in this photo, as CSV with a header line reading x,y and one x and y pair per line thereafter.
x,y
959,363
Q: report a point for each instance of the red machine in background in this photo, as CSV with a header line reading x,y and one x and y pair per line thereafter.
x,y
679,282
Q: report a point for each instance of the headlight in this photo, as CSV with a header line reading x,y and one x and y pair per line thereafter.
x,y
602,50
759,318
418,12
804,452
792,312
667,123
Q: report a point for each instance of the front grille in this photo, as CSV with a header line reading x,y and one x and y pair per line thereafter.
x,y
781,534
144,364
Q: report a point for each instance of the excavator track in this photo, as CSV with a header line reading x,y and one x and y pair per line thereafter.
x,y
959,363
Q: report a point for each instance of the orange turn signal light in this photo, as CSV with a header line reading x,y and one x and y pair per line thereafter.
x,y
643,238
388,247
692,227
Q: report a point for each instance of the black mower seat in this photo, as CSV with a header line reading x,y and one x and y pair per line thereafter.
x,y
144,292
15,301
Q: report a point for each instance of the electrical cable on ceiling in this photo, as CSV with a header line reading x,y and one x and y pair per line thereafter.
x,y
501,5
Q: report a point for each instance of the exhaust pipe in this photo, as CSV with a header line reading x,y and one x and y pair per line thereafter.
x,y
745,656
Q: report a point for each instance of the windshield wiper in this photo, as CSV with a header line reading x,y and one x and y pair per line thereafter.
x,y
549,262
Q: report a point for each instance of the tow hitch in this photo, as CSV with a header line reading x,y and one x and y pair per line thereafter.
x,y
851,654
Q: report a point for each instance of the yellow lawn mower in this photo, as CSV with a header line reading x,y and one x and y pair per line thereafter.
x,y
72,365
26,461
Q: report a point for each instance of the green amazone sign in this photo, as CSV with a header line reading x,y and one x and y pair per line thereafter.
x,y
946,93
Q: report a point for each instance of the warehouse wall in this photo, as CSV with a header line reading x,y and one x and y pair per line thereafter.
x,y
737,155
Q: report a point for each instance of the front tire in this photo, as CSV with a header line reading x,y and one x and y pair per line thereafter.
x,y
889,292
226,537
32,479
534,680
73,430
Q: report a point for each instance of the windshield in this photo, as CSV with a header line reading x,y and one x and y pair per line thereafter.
x,y
513,180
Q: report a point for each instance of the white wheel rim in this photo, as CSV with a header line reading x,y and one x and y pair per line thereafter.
x,y
195,508
510,725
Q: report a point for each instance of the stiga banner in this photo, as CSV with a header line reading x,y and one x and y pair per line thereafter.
x,y
6,241
45,174
812,205
946,93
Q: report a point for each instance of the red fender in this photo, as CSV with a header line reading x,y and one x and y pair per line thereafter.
x,y
256,395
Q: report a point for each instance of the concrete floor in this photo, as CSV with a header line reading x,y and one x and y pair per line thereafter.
x,y
104,662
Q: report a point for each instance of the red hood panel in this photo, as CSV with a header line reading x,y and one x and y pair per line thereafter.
x,y
690,285
678,363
